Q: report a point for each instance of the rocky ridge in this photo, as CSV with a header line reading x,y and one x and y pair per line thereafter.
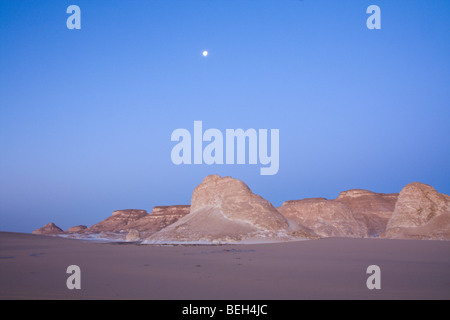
x,y
224,209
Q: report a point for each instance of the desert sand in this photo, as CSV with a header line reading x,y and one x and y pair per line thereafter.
x,y
34,267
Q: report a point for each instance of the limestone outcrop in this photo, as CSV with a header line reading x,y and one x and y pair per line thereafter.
x,y
327,218
49,229
224,209
76,229
133,235
159,218
371,209
118,221
420,213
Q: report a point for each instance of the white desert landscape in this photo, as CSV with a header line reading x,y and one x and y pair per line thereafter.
x,y
224,210
240,151
230,243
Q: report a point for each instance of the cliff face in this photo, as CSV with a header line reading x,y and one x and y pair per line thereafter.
x,y
369,208
421,213
354,213
118,221
133,223
158,219
327,218
76,229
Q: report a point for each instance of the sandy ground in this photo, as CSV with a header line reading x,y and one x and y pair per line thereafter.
x,y
34,267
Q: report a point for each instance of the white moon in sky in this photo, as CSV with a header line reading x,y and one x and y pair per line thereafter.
x,y
205,53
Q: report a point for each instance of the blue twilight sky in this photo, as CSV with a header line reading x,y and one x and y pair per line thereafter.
x,y
86,115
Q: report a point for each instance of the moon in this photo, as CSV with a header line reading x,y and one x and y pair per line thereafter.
x,y
205,53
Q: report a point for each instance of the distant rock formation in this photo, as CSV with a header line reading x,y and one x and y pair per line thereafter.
x,y
49,229
76,229
159,218
327,218
224,209
420,213
125,224
118,221
371,209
